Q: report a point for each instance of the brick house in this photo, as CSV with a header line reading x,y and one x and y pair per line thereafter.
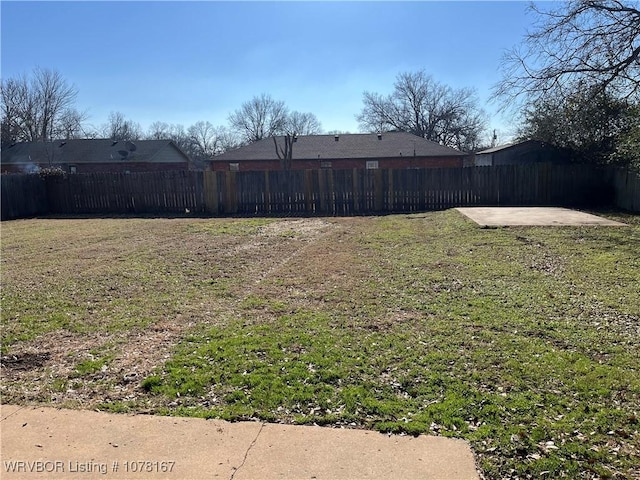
x,y
346,151
94,156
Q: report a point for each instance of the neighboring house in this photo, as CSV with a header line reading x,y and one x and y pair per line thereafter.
x,y
94,155
530,151
345,151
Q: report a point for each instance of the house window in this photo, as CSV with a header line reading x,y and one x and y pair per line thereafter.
x,y
325,164
73,169
234,167
372,164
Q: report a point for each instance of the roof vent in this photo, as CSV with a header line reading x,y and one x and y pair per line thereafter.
x,y
337,137
379,136
62,144
114,142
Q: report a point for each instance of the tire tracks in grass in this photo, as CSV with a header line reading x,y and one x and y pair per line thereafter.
x,y
269,253
136,352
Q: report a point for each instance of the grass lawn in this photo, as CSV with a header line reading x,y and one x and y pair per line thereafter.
x,y
524,341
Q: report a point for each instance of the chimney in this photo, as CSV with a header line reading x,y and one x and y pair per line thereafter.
x,y
379,136
337,137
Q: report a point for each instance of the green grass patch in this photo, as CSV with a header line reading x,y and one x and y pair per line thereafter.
x,y
524,341
92,366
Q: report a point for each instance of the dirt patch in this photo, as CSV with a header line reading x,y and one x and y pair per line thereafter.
x,y
23,361
305,228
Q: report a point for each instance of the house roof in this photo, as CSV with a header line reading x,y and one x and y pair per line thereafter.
x,y
90,151
506,147
368,145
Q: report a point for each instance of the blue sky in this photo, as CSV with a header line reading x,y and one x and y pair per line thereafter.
x,y
181,62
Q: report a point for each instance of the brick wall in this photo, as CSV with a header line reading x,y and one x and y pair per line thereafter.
x,y
341,164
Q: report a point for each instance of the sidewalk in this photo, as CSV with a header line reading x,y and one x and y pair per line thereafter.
x,y
51,443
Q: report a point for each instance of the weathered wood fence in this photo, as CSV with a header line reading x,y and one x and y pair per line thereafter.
x,y
626,187
318,192
348,192
23,196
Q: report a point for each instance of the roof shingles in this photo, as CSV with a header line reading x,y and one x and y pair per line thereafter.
x,y
347,146
88,151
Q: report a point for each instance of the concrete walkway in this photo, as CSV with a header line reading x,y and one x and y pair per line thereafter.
x,y
53,443
532,216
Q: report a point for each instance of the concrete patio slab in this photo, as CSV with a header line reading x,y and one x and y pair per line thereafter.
x,y
290,451
533,216
42,442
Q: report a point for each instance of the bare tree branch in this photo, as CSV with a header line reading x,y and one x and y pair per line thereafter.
x,y
579,45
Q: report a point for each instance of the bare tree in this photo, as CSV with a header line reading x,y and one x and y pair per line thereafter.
x,y
296,123
227,139
285,151
54,95
32,106
71,125
169,131
204,139
574,46
200,141
178,135
259,118
17,110
120,128
299,123
427,108
158,131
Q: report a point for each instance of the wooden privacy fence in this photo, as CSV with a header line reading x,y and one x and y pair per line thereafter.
x,y
153,192
347,192
626,186
318,192
23,196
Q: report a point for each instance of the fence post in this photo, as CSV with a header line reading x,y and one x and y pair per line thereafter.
x,y
267,192
211,192
378,189
231,193
357,191
331,191
322,190
390,193
308,190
